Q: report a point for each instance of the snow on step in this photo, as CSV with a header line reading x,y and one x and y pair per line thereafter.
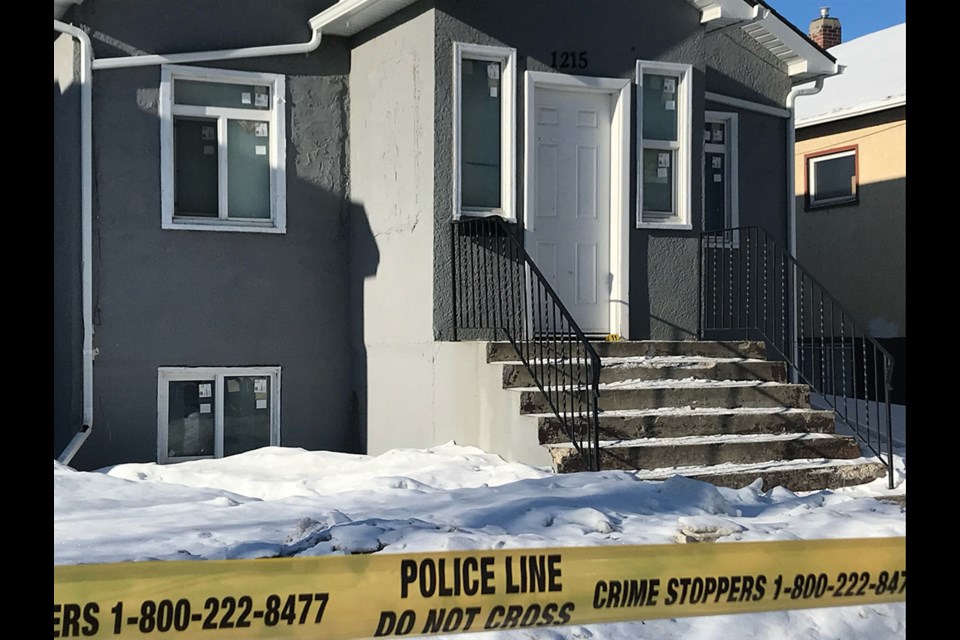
x,y
759,438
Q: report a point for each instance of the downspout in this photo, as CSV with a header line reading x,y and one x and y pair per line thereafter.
x,y
87,65
796,92
86,231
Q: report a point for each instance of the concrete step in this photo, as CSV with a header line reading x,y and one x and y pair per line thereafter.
x,y
695,393
656,453
795,475
504,352
683,422
515,374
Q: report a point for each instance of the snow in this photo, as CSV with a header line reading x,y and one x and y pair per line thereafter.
x,y
875,77
290,502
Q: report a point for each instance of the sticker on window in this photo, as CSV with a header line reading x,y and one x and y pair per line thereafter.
x,y
670,105
717,177
205,407
261,404
717,162
260,385
208,133
663,159
261,130
669,85
262,100
206,390
493,71
245,97
718,135
260,149
706,135
208,149
662,173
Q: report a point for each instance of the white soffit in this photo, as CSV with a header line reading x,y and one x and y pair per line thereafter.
x,y
348,17
802,59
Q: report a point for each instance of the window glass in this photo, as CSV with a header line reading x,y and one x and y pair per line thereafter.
x,y
480,133
248,169
660,106
658,172
196,158
246,413
190,415
835,177
221,94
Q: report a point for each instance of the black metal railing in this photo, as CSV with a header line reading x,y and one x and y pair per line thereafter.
x,y
499,293
751,288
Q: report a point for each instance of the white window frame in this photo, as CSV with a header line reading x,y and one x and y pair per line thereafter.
x,y
166,375
812,159
276,148
681,218
507,58
731,151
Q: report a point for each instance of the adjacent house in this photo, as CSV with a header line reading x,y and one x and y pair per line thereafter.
x,y
253,201
851,183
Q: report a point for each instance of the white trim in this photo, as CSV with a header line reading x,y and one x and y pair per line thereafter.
x,y
165,375
347,17
508,129
732,152
811,185
276,117
619,218
682,218
749,105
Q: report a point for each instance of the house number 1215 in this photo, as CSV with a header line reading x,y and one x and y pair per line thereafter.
x,y
568,59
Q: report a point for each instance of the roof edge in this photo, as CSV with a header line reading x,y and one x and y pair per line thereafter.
x,y
890,103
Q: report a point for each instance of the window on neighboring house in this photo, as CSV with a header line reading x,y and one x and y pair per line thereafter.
x,y
222,150
720,180
211,412
484,177
663,124
832,177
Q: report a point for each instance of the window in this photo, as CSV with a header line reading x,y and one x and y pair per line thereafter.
x,y
720,180
832,178
222,150
664,141
484,130
207,412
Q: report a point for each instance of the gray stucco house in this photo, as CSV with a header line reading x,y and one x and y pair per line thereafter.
x,y
253,200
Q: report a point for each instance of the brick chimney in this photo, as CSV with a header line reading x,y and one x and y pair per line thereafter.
x,y
825,30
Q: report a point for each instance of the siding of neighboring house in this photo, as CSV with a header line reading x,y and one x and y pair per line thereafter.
x,y
67,331
663,263
211,298
858,251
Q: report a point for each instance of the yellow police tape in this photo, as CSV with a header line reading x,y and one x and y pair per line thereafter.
x,y
392,595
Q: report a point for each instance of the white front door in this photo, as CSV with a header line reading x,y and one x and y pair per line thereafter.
x,y
568,230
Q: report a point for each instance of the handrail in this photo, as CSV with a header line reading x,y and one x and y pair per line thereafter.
x,y
499,290
749,284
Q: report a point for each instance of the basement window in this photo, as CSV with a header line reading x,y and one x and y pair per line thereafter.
x,y
208,412
832,178
484,131
222,150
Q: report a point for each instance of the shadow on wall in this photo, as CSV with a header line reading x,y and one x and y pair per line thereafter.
x,y
364,260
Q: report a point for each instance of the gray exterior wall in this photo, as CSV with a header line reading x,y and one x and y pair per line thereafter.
x,y
391,191
67,311
207,298
616,33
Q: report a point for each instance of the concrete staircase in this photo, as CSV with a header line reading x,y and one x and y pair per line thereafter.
x,y
716,411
